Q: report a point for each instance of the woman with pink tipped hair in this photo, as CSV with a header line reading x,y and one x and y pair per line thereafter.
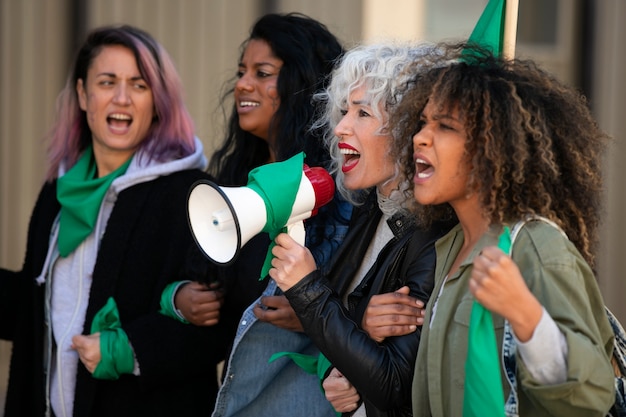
x,y
108,233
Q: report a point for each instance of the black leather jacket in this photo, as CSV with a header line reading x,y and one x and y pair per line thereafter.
x,y
381,372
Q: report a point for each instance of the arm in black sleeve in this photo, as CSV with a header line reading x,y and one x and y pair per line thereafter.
x,y
9,281
381,372
16,287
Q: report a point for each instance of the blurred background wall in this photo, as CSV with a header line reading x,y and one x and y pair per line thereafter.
x,y
581,41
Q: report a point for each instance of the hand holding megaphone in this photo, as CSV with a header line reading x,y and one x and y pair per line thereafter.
x,y
278,197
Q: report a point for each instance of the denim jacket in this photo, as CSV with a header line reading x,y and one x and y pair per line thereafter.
x,y
253,387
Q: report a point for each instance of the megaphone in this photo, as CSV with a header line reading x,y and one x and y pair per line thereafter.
x,y
223,219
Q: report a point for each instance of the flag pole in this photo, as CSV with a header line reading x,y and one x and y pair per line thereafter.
x,y
510,29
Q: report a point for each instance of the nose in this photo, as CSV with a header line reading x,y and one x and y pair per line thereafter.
x,y
243,83
342,129
422,138
122,95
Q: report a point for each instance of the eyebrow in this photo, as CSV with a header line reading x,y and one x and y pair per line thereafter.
x,y
112,75
259,64
362,102
441,115
445,116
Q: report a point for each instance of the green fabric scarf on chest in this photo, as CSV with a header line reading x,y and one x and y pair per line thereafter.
x,y
80,194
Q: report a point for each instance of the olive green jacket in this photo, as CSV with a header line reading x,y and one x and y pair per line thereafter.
x,y
564,284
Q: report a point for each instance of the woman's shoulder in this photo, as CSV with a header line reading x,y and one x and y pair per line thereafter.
x,y
171,187
546,243
540,233
186,176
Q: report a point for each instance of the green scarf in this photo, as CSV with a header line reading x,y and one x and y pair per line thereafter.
x,y
117,356
277,184
484,395
80,195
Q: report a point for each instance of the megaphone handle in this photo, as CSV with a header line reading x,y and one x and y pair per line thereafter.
x,y
296,231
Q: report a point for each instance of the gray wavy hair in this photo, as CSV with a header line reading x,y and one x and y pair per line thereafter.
x,y
384,71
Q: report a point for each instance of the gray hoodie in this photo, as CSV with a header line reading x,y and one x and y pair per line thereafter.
x,y
70,278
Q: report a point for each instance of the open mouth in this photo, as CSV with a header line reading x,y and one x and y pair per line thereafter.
x,y
351,158
119,121
423,169
249,104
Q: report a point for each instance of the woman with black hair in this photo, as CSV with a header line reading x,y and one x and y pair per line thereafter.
x,y
285,60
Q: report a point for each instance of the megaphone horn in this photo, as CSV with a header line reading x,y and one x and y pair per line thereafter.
x,y
223,219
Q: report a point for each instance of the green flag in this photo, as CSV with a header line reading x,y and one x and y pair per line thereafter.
x,y
484,396
277,184
489,30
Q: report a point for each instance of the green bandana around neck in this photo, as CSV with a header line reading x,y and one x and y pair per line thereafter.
x,y
80,195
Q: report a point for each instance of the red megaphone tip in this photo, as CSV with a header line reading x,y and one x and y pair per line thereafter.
x,y
323,185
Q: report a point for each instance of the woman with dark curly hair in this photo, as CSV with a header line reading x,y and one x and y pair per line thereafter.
x,y
504,141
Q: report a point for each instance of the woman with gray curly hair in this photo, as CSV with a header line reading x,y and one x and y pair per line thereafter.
x,y
387,255
382,71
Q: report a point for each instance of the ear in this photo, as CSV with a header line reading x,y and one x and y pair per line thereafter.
x,y
82,94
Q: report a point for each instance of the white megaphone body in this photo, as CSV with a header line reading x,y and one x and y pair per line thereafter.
x,y
223,219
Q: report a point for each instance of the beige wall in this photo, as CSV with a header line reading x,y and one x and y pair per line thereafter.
x,y
33,63
609,103
33,60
